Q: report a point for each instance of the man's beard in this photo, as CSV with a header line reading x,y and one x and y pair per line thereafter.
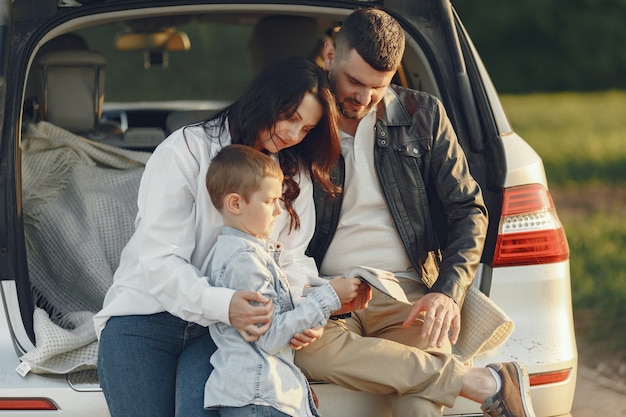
x,y
351,114
348,114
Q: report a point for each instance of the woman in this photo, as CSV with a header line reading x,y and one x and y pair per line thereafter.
x,y
154,343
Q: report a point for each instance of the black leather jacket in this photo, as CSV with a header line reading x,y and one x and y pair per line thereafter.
x,y
425,180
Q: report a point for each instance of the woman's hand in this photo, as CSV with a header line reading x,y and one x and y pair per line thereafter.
x,y
250,320
305,338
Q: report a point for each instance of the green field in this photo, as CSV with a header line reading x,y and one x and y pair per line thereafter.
x,y
582,141
581,137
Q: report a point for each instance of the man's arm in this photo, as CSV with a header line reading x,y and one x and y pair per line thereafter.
x,y
466,215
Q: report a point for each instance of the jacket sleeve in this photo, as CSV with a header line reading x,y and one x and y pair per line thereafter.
x,y
247,271
463,207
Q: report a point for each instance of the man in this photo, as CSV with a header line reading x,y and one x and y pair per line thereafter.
x,y
401,158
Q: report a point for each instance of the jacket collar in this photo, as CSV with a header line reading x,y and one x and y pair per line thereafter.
x,y
266,243
391,111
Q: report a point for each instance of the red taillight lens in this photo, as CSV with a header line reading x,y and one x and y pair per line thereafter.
x,y
550,377
26,404
530,231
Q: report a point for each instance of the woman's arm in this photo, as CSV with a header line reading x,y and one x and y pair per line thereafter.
x,y
176,227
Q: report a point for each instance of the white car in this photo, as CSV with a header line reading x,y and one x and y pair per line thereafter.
x,y
125,73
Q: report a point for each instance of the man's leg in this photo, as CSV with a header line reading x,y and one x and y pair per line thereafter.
x,y
384,318
380,366
410,406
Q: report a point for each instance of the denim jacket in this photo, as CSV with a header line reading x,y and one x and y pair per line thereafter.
x,y
261,372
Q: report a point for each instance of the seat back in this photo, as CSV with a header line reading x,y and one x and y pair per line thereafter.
x,y
71,89
180,118
277,36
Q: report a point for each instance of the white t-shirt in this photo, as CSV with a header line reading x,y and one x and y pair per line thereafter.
x,y
366,234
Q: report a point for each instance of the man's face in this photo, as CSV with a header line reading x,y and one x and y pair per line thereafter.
x,y
357,86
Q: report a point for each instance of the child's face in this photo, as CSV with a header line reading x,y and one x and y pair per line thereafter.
x,y
258,216
290,132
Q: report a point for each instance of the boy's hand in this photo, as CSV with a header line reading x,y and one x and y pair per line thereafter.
x,y
346,288
305,338
360,302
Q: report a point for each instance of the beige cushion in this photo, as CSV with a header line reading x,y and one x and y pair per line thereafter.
x,y
72,84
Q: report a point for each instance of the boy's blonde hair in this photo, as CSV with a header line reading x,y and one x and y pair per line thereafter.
x,y
239,169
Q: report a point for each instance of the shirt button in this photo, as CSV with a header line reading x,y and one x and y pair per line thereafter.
x,y
414,150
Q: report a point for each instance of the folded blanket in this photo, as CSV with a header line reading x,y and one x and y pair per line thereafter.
x,y
484,326
61,348
79,204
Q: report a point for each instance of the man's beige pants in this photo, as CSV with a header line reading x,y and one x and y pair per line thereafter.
x,y
372,352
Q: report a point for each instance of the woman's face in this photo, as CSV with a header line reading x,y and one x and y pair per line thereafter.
x,y
290,132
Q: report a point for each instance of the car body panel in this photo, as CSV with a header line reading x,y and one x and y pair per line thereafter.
x,y
536,297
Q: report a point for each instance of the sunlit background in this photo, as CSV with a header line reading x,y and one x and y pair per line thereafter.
x,y
561,67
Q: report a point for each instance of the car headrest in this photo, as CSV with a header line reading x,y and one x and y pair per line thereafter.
x,y
72,88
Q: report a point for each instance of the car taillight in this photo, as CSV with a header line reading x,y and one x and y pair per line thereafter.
x,y
26,404
530,231
550,377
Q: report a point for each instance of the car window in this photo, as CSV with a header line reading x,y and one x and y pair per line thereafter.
x,y
219,49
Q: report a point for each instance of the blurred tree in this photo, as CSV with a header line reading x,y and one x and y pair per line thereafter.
x,y
558,45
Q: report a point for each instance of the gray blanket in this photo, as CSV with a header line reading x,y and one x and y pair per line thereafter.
x,y
79,202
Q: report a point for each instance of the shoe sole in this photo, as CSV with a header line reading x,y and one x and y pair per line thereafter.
x,y
524,383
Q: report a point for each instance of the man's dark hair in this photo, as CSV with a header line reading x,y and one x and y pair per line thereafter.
x,y
376,36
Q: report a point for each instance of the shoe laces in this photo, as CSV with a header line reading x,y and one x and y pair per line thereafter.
x,y
493,410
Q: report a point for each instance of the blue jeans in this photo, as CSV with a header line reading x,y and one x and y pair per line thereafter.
x,y
155,365
251,410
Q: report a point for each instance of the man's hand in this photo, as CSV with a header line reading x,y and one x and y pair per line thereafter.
x,y
251,321
442,315
305,338
360,302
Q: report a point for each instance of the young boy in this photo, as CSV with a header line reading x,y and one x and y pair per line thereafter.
x,y
245,186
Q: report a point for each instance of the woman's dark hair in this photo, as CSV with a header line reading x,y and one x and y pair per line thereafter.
x,y
275,94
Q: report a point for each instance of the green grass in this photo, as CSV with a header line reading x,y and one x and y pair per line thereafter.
x,y
582,141
581,137
598,270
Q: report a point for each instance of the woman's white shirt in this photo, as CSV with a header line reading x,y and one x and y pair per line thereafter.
x,y
176,226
